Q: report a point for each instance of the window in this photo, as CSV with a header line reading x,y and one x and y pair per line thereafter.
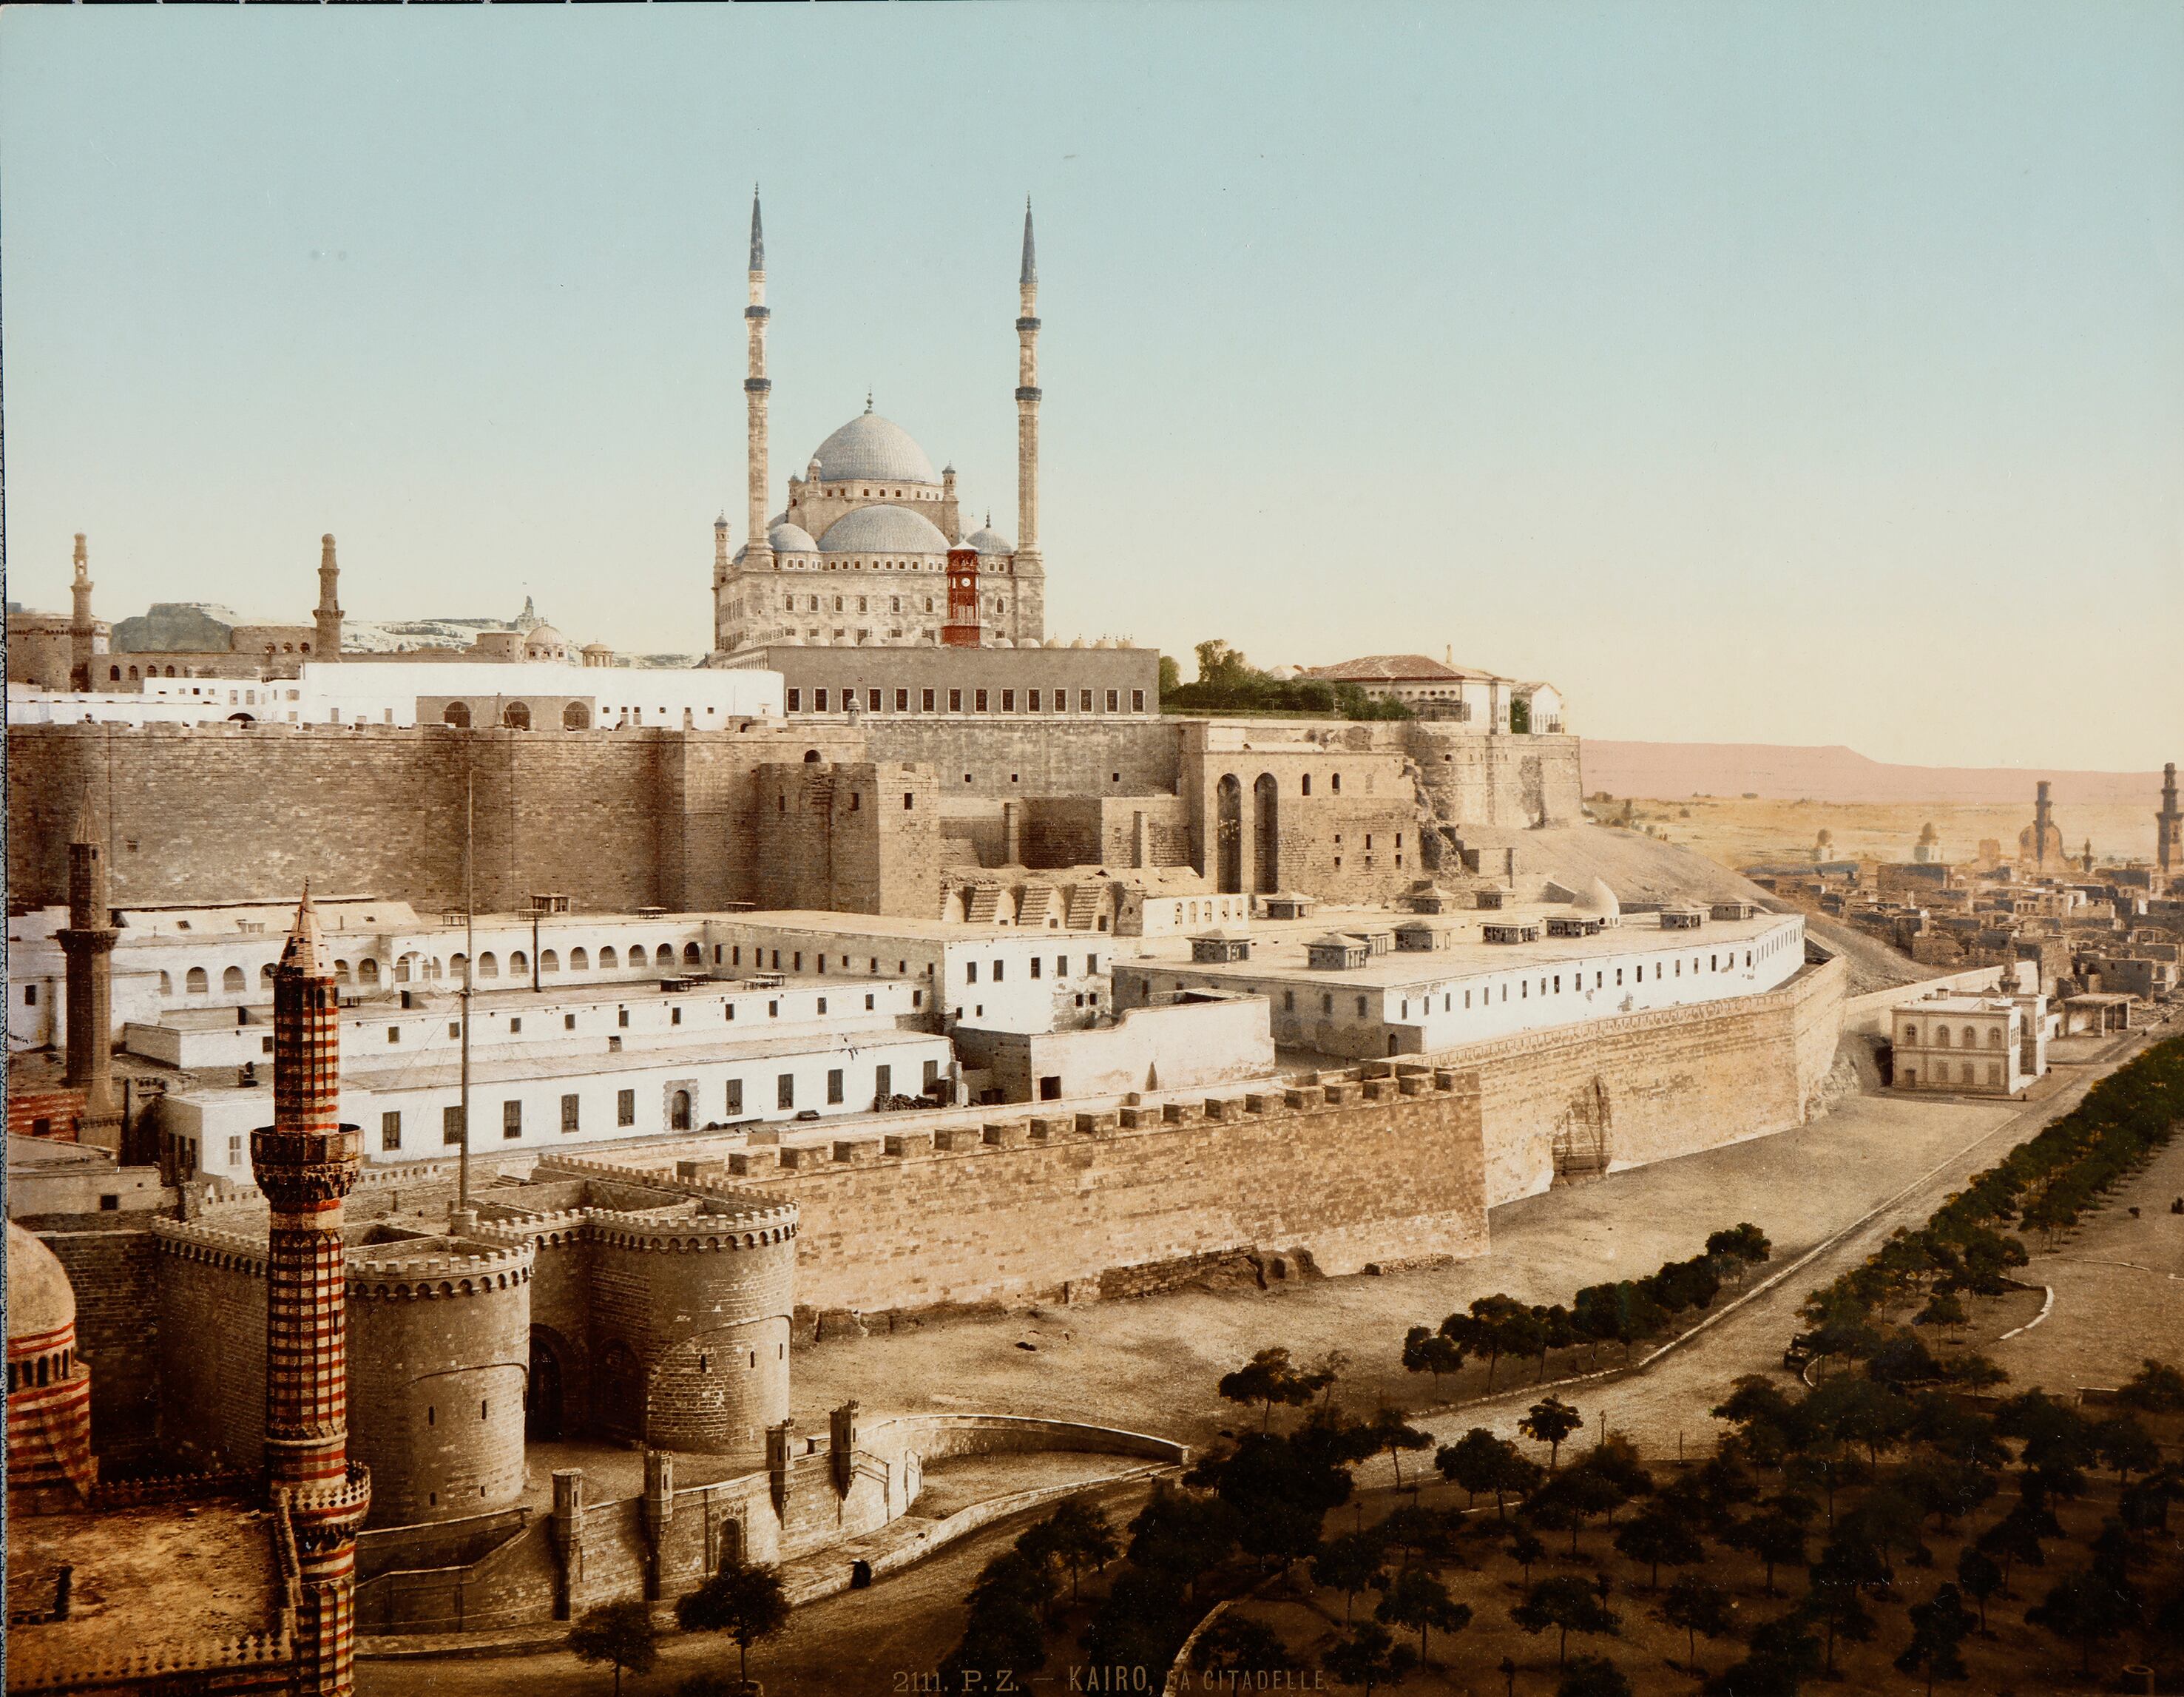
x,y
511,1120
515,1026
390,1131
1031,701
569,1113
393,1034
979,699
1304,784
1137,701
818,700
834,1084
1334,784
1114,700
451,1125
999,967
955,700
678,1111
234,1152
454,1028
231,981
1994,1072
625,1108
925,701
1083,701
902,700
1034,966
784,1090
735,1098
795,701
675,1016
1008,700
622,1017
579,961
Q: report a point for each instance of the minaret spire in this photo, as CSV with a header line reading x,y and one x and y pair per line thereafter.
x,y
83,629
87,942
1029,614
758,549
328,616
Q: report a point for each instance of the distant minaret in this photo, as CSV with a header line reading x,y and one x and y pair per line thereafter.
x,y
87,941
306,1162
1031,597
2169,826
758,549
2043,821
82,628
328,616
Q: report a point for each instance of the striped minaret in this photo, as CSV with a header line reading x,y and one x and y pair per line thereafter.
x,y
305,1163
758,549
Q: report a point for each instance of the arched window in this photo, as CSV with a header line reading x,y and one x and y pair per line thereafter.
x,y
1994,1037
489,965
1971,1038
458,715
341,972
132,674
548,961
517,716
114,674
265,972
607,961
678,1111
367,972
166,984
692,955
457,962
1940,1037
231,981
576,716
579,961
403,968
518,963
637,956
170,671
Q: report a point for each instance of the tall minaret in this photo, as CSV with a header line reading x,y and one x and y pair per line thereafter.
x,y
305,1163
758,551
82,628
328,616
1029,566
87,941
2169,826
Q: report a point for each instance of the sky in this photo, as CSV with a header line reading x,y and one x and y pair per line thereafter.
x,y
1776,373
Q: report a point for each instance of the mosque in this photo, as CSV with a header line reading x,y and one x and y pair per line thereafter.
x,y
859,557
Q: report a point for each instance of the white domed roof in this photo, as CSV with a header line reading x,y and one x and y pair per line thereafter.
x,y
883,529
39,1298
870,446
1601,900
545,636
987,540
791,538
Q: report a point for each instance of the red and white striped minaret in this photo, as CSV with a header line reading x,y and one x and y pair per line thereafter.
x,y
306,1162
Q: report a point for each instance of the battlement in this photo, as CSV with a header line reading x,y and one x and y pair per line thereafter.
x,y
29,1668
194,1240
467,1273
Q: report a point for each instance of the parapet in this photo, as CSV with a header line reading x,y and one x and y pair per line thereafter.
x,y
457,1273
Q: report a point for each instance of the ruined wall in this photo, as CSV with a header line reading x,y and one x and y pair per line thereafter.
x,y
1471,780
1345,1173
1652,1086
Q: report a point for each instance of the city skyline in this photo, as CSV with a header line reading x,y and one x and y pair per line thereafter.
x,y
1827,360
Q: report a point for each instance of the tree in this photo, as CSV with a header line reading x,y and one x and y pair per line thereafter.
x,y
1835,1601
2155,1388
1431,1352
1550,1422
1369,1657
1943,1308
1171,677
1473,1463
1775,1538
1592,1676
2086,1607
1415,1599
1696,1606
1237,1646
1741,1248
1661,1533
1936,1629
1268,1378
2013,1539
1005,1636
1525,1549
2121,1442
1554,1331
1783,1655
1181,1536
1496,1326
1077,1535
1568,1604
1391,1432
1979,1577
1349,1564
745,1602
622,1633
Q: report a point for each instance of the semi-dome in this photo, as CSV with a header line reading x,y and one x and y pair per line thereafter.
x,y
1601,900
791,538
883,529
41,1301
987,540
870,446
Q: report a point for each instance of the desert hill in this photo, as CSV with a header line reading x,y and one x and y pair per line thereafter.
x,y
1667,770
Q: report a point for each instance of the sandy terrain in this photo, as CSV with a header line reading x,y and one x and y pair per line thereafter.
x,y
1836,774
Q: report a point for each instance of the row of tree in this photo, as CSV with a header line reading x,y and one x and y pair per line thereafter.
x,y
1625,1311
1229,683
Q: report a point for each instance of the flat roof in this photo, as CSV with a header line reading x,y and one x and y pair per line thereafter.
x,y
1278,946
146,1578
891,925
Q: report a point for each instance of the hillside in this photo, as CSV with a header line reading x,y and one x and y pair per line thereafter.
x,y
1671,769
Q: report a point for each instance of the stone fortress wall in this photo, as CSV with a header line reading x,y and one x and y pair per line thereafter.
x,y
625,819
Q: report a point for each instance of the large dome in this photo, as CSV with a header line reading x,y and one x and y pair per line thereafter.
x,y
870,446
791,538
991,541
40,1299
883,529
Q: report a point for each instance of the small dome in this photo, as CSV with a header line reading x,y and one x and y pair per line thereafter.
x,y
1031,642
883,529
1601,900
987,540
545,639
1078,643
870,446
41,1300
791,538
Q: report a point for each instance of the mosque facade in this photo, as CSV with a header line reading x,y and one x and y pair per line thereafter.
x,y
858,555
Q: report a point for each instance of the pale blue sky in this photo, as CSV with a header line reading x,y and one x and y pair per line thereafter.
x,y
1765,372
